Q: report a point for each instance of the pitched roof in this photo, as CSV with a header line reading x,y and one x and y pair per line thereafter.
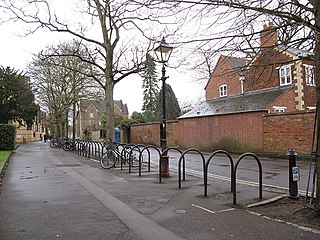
x,y
101,107
237,63
297,52
122,106
250,101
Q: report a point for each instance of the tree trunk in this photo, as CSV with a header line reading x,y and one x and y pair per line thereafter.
x,y
109,103
74,120
317,75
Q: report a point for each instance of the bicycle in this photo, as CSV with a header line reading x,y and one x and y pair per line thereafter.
x,y
111,156
114,155
69,145
55,142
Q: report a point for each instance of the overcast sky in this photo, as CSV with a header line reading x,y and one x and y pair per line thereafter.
x,y
16,51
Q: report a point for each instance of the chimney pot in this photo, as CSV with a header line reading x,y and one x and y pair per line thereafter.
x,y
268,36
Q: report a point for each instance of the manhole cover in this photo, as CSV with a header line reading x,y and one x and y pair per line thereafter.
x,y
180,211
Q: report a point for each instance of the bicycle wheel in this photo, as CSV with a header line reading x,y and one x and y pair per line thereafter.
x,y
108,160
134,158
53,143
66,146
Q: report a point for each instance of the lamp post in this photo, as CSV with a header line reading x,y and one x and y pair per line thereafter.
x,y
163,52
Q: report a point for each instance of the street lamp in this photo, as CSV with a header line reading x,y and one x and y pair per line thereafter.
x,y
163,52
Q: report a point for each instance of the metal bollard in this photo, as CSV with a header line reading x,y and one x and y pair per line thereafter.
x,y
293,175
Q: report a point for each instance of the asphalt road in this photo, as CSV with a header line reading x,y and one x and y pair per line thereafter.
x,y
274,172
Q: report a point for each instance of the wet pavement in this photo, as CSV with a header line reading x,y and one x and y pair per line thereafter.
x,y
52,194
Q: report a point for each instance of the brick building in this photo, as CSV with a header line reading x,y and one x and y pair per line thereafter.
x,y
90,118
241,93
257,104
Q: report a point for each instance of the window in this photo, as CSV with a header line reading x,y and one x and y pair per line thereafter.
x,y
223,90
285,75
91,115
279,109
309,71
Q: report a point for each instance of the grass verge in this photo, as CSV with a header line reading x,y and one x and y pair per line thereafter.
x,y
3,157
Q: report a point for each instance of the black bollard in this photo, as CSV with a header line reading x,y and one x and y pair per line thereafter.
x,y
293,175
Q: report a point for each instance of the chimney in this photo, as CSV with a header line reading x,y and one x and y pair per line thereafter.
x,y
268,36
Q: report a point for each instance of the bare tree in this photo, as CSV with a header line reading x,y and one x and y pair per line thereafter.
x,y
102,33
60,83
297,21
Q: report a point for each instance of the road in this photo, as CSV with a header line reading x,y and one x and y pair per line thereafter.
x,y
274,172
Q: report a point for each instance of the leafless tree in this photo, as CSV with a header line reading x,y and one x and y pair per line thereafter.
x,y
105,28
297,21
60,82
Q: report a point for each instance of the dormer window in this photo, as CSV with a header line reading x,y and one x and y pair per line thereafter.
x,y
223,90
309,71
278,109
285,75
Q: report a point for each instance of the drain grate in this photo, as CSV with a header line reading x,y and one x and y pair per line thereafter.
x,y
68,165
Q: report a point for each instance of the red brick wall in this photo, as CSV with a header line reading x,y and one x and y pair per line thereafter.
x,y
262,72
149,133
223,74
284,131
270,133
310,95
146,134
285,100
205,132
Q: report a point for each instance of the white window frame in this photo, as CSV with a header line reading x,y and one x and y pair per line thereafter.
x,y
285,75
223,90
278,109
91,115
309,75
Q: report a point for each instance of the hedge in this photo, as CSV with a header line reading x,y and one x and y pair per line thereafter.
x,y
7,136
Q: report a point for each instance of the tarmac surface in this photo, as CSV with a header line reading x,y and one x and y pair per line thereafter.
x,y
48,193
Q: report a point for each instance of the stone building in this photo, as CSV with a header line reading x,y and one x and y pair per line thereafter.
x,y
90,118
34,132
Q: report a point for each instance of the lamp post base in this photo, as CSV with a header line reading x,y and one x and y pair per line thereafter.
x,y
165,166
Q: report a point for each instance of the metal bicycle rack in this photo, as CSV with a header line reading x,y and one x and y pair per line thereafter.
x,y
141,158
207,167
235,175
203,163
132,148
124,154
125,151
179,167
148,149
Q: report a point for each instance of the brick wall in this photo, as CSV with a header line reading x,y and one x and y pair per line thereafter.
x,y
291,130
263,72
285,100
206,132
223,74
149,133
266,132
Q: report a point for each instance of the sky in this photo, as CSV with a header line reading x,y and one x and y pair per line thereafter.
x,y
16,52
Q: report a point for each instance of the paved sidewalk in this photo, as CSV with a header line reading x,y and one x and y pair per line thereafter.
x,y
51,194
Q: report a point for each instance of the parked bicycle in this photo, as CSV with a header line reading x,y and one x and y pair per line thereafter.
x,y
56,142
115,153
69,145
